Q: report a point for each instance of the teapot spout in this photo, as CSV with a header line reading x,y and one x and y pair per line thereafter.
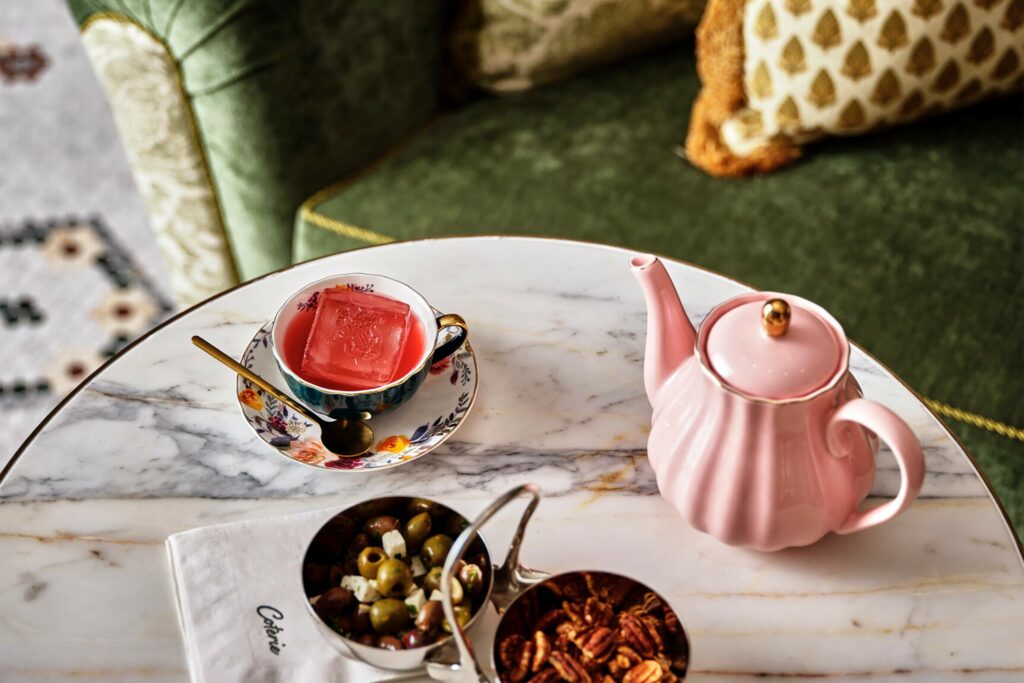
x,y
670,335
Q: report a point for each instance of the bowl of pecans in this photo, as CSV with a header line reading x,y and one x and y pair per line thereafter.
x,y
580,626
591,626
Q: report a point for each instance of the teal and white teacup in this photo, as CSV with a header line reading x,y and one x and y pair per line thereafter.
x,y
377,400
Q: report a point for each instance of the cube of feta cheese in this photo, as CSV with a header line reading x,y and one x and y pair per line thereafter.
x,y
437,595
417,566
364,590
415,601
394,544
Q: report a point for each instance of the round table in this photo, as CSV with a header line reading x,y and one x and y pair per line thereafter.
x,y
154,444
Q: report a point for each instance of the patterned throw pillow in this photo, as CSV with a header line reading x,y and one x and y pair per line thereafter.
x,y
508,45
779,73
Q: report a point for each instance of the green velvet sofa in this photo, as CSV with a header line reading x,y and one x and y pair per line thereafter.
x,y
325,126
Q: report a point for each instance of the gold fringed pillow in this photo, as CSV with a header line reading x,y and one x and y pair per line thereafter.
x,y
509,45
779,73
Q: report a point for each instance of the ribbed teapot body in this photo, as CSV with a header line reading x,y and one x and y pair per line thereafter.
x,y
757,473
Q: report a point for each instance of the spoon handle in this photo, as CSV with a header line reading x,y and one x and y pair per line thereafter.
x,y
251,376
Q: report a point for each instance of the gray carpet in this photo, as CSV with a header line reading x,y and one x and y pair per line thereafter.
x,y
80,274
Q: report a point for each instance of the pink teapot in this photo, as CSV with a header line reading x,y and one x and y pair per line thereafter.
x,y
760,436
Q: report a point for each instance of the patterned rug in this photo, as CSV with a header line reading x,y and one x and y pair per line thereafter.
x,y
80,274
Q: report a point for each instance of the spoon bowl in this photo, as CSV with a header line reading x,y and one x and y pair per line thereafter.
x,y
346,438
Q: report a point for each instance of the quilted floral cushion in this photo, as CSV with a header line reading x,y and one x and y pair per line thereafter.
x,y
779,73
507,45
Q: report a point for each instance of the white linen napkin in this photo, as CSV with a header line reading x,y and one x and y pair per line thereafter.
x,y
240,603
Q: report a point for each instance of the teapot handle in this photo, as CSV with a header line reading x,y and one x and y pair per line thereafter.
x,y
891,429
509,580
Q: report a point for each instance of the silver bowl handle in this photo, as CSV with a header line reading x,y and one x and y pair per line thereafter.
x,y
510,579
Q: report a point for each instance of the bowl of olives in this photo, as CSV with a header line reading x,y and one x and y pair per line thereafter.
x,y
372,579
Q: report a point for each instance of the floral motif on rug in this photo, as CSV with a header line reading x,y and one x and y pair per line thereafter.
x,y
70,297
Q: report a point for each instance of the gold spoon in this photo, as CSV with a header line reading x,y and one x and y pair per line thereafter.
x,y
344,438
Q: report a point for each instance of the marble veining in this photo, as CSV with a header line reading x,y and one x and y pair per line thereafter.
x,y
155,445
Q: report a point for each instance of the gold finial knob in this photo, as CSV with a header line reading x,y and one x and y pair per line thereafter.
x,y
775,317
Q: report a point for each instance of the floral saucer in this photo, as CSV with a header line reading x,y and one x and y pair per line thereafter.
x,y
415,428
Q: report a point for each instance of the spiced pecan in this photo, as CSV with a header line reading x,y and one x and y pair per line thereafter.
x,y
625,659
628,655
546,676
592,628
541,650
638,634
608,587
648,671
597,613
568,629
516,656
551,619
571,587
575,611
569,668
657,630
563,641
672,625
651,604
598,644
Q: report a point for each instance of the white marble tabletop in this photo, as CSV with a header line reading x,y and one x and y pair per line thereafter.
x,y
154,444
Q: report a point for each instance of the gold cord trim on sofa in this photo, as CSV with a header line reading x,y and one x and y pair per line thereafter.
x,y
308,212
976,420
190,117
341,227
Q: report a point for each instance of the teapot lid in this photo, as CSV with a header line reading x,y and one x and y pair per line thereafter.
x,y
765,347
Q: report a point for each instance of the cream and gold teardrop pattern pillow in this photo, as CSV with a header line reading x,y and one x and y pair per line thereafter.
x,y
817,67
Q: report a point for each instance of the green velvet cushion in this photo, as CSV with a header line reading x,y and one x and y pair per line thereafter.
x,y
912,237
287,95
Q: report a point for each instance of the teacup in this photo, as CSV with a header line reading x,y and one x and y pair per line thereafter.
x,y
339,403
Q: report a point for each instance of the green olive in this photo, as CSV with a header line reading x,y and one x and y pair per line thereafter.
x,y
418,505
389,615
457,592
462,615
380,525
435,549
370,560
417,530
394,578
432,581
